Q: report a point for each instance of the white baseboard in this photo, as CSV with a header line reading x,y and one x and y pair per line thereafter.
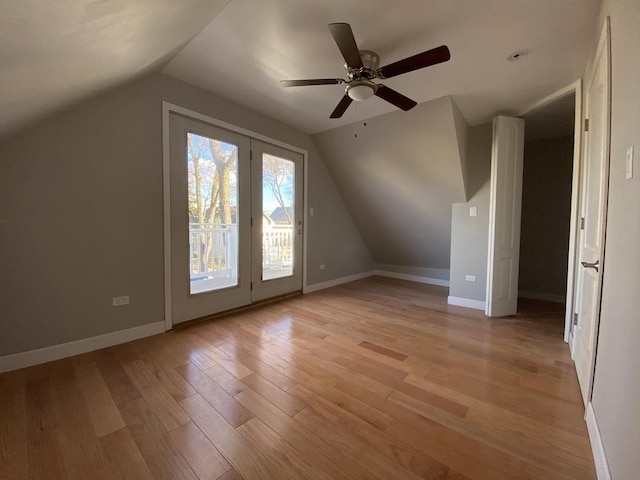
x,y
412,278
467,302
64,350
599,455
335,282
546,297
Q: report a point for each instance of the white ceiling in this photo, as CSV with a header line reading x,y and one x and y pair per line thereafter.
x,y
252,44
55,53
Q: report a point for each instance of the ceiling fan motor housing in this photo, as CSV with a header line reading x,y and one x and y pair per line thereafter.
x,y
370,62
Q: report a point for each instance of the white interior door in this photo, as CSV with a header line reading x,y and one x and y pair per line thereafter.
x,y
594,203
277,184
505,209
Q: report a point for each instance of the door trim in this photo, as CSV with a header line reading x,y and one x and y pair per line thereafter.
x,y
168,108
574,222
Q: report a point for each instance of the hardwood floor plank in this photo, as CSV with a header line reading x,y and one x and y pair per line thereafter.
x,y
45,460
205,459
250,463
159,400
124,457
105,415
213,393
76,436
13,428
160,454
349,444
322,454
281,399
281,453
383,351
223,378
248,359
414,461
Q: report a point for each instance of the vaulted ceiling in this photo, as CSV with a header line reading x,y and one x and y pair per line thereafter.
x,y
57,53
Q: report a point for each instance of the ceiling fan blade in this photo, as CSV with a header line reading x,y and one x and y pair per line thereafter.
x,y
342,107
395,98
343,37
313,81
416,62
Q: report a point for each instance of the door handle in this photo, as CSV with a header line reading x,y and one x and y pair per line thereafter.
x,y
593,265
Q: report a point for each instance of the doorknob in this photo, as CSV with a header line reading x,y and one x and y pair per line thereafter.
x,y
591,265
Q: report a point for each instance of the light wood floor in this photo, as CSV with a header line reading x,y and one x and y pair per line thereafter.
x,y
378,379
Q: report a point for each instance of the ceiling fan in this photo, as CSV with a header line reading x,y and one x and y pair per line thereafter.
x,y
362,68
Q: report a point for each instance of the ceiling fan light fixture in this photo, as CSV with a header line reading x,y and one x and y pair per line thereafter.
x,y
361,91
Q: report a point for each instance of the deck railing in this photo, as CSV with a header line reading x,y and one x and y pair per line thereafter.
x,y
213,249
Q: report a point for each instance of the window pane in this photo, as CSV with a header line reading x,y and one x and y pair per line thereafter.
x,y
278,220
213,208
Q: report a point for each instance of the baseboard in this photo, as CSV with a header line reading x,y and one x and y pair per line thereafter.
x,y
546,297
412,278
64,350
467,302
599,455
337,281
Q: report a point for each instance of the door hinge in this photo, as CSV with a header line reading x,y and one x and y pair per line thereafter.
x,y
250,285
575,319
581,223
250,154
586,124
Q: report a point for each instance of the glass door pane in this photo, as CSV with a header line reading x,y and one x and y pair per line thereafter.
x,y
276,178
212,196
278,215
210,212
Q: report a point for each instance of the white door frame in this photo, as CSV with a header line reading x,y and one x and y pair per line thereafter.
x,y
168,108
574,227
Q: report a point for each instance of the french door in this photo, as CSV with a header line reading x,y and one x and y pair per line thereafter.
x,y
236,219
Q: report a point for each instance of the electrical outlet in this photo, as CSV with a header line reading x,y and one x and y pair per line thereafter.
x,y
322,266
470,278
119,301
311,212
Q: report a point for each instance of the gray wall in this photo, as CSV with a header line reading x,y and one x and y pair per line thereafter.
x,y
81,215
616,391
546,214
470,235
398,178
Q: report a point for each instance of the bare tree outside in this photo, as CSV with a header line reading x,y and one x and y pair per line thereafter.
x,y
212,167
277,176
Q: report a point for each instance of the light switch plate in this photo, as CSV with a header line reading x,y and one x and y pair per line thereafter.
x,y
473,211
629,169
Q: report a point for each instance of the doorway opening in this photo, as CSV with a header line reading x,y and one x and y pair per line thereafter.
x,y
549,152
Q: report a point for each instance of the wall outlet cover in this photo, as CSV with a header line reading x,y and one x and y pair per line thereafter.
x,y
119,301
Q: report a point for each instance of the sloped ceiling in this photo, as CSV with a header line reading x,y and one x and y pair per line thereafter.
x,y
398,176
56,53
251,45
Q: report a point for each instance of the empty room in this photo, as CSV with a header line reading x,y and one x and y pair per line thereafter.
x,y
319,240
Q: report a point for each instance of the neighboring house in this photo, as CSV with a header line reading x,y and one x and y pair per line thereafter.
x,y
279,216
102,158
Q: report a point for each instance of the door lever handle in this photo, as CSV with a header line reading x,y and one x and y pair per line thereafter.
x,y
593,265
